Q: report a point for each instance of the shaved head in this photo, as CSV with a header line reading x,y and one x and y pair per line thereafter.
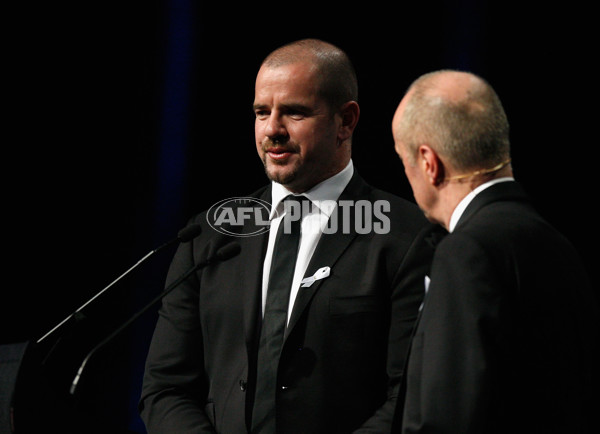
x,y
337,78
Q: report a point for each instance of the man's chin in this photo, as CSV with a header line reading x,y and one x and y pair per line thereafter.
x,y
280,173
279,176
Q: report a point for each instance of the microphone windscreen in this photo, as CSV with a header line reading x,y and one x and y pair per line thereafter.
x,y
228,251
189,233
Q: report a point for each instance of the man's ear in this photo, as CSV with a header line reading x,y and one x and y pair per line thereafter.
x,y
350,112
431,164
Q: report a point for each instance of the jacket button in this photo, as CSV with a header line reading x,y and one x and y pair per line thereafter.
x,y
243,385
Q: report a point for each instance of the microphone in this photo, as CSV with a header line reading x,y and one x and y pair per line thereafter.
x,y
184,235
224,253
228,251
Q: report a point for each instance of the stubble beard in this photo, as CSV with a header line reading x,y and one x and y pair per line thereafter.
x,y
284,177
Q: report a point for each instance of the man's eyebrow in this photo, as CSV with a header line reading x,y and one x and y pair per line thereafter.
x,y
298,107
294,107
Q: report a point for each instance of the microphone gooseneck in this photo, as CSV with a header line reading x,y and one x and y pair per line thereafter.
x,y
186,234
224,253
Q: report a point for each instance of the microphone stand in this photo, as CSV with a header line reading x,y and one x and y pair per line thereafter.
x,y
77,312
223,254
184,235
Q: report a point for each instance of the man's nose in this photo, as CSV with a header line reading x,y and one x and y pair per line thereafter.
x,y
275,127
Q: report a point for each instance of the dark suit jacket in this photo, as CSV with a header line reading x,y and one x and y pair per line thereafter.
x,y
503,341
343,355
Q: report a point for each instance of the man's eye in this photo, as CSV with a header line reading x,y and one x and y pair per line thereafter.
x,y
297,115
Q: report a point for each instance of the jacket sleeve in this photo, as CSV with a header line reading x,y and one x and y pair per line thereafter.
x,y
174,390
406,296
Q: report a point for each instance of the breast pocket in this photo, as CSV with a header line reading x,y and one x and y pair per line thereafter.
x,y
355,305
357,324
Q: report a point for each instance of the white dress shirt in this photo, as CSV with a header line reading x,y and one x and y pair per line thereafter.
x,y
323,197
462,205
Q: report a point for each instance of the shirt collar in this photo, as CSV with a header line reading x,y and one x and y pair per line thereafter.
x,y
462,205
324,195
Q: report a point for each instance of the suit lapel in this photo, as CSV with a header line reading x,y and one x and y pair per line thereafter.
x,y
254,248
329,248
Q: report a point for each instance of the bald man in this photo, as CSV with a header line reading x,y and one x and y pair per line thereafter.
x,y
504,340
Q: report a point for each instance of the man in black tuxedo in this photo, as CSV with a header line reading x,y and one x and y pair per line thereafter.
x,y
355,289
505,339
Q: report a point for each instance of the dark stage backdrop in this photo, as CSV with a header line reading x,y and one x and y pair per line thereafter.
x,y
126,118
